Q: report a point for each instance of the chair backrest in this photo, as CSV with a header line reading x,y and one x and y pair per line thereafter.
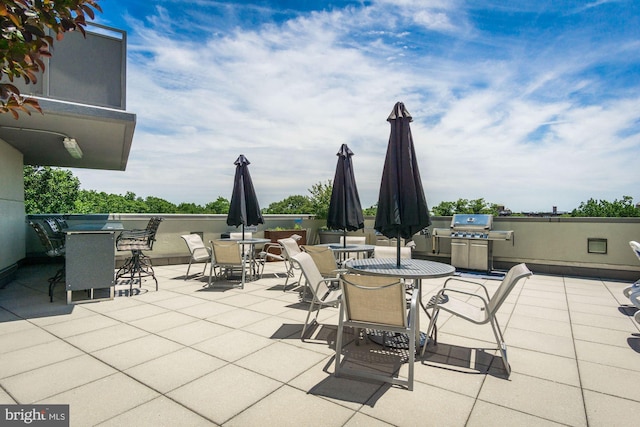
x,y
324,259
153,224
635,246
195,244
53,225
374,299
52,248
62,223
311,273
290,247
238,235
391,252
510,280
227,252
354,240
152,229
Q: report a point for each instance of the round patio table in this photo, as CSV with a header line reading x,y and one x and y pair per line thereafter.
x,y
414,269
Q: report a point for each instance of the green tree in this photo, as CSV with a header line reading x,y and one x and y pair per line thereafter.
x,y
189,208
371,210
158,205
604,208
91,201
464,206
291,205
444,209
220,206
320,199
25,42
49,190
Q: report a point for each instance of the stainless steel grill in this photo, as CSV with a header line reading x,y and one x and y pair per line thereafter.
x,y
472,240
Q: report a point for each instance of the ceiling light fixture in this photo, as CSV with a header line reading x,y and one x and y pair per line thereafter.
x,y
69,143
72,147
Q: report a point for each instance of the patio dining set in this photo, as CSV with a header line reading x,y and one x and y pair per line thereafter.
x,y
374,296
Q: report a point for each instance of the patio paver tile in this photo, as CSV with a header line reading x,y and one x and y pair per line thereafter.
x,y
280,361
80,326
536,341
40,383
140,350
105,398
163,321
194,332
24,337
610,380
428,405
361,420
541,398
224,393
276,409
34,357
610,411
486,414
175,369
536,324
160,411
136,312
233,345
106,337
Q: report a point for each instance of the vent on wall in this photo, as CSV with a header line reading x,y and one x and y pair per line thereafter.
x,y
596,245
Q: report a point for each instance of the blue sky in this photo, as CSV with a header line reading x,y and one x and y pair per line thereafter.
x,y
530,104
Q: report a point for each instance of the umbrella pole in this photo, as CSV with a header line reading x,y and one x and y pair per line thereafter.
x,y
398,251
344,238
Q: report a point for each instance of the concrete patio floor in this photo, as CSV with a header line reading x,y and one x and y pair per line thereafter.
x,y
187,355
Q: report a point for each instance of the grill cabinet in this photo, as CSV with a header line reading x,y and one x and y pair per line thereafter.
x,y
471,240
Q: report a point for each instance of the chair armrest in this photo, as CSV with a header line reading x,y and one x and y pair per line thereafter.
x,y
455,279
205,250
329,280
442,292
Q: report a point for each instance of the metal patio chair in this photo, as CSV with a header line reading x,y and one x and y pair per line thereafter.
x,y
633,292
227,257
325,260
199,252
54,230
270,252
485,309
321,293
391,252
377,303
53,249
290,250
136,241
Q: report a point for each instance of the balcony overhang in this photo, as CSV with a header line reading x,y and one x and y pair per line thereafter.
x,y
103,134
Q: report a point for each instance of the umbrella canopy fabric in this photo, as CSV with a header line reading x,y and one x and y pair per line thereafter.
x,y
345,211
402,205
244,209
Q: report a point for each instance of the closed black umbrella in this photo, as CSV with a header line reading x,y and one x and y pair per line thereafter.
x,y
244,209
402,205
345,211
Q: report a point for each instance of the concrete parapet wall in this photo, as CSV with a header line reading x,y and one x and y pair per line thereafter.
x,y
549,245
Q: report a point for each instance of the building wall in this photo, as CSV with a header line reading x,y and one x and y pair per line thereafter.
x,y
12,215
